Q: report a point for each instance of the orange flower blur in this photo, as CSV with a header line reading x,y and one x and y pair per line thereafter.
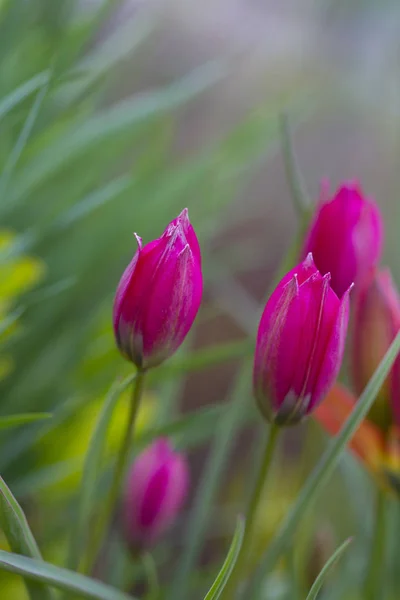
x,y
379,452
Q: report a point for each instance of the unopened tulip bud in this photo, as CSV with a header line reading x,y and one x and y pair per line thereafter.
x,y
300,344
376,323
159,295
345,237
156,489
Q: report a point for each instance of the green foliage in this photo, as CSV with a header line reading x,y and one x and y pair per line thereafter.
x,y
319,582
34,570
223,576
82,166
15,526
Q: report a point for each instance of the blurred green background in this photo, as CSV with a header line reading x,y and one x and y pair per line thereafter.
x,y
115,115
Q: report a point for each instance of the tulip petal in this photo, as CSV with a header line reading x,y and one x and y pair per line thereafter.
x,y
277,348
331,346
159,295
300,344
156,489
345,237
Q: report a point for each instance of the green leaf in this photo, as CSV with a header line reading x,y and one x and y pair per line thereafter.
x,y
35,570
230,561
325,467
9,320
110,121
93,201
318,583
192,427
23,91
45,477
91,471
224,437
15,525
19,536
116,47
22,139
206,357
22,419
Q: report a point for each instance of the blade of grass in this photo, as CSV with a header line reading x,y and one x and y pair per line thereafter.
x,y
45,477
14,446
90,475
293,174
324,468
93,201
113,50
22,419
318,583
19,536
35,570
9,321
223,441
22,139
15,525
22,92
230,561
111,121
205,358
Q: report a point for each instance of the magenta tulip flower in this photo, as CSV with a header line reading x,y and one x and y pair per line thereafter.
x,y
159,295
376,323
345,237
156,489
300,344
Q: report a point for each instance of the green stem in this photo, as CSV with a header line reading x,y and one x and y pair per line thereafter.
x,y
150,569
374,582
118,475
299,197
252,513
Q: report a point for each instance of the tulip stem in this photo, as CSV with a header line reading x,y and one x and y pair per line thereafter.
x,y
118,474
252,511
376,568
150,569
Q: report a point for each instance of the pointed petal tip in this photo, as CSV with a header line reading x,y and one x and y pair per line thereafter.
x,y
327,278
345,299
309,260
183,218
294,282
138,240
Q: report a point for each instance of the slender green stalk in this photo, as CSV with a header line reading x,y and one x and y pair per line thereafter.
x,y
150,569
375,577
299,196
118,475
252,513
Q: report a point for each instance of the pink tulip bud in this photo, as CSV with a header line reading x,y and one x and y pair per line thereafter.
x,y
156,489
300,344
345,237
376,323
159,295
